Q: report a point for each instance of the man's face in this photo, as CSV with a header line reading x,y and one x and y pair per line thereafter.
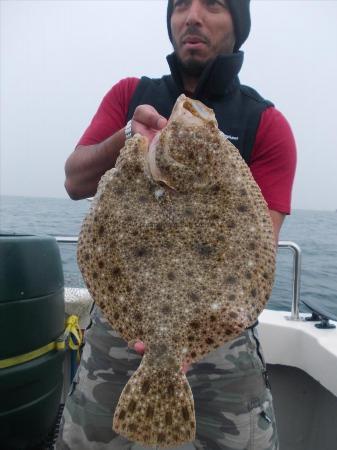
x,y
201,30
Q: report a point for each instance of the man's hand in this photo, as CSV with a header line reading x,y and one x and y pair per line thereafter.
x,y
139,346
147,121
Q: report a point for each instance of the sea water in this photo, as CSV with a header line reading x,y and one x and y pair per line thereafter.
x,y
314,231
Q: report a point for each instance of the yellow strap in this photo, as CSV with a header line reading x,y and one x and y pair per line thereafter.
x,y
9,362
72,330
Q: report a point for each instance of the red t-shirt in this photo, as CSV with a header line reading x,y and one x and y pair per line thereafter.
x,y
273,159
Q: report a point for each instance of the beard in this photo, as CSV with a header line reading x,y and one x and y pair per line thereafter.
x,y
192,67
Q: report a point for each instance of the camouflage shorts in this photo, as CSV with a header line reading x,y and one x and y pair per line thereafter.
x,y
233,402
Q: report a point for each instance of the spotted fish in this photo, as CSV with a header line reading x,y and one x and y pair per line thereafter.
x,y
178,251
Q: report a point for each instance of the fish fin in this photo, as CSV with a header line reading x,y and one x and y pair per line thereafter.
x,y
156,408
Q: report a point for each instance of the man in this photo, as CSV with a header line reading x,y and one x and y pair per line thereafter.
x,y
230,387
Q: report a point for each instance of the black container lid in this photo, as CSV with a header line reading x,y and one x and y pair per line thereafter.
x,y
30,266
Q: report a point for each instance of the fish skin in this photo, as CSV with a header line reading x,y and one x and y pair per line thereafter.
x,y
178,250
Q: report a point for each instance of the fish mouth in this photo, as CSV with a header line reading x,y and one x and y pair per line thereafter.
x,y
151,159
155,172
192,113
189,112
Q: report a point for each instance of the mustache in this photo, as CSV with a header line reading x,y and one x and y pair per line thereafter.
x,y
194,31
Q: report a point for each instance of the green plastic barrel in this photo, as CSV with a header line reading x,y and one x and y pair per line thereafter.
x,y
31,316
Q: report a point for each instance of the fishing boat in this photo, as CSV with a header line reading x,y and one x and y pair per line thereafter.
x,y
301,356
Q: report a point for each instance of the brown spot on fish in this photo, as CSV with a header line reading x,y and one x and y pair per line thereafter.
x,y
101,231
149,412
243,208
166,309
142,199
185,413
168,418
146,386
215,188
141,289
116,271
141,251
170,390
195,325
132,406
194,296
132,427
171,276
204,249
138,316
251,246
122,414
159,227
100,264
231,280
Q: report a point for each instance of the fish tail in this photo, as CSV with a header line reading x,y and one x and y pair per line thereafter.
x,y
156,408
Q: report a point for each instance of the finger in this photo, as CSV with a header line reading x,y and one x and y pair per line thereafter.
x,y
148,116
162,122
139,347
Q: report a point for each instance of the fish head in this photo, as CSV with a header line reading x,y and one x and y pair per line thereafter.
x,y
180,156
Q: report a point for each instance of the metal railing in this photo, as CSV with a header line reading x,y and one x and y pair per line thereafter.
x,y
288,245
66,239
297,263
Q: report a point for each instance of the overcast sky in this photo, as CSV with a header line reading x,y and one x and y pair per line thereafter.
x,y
59,58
